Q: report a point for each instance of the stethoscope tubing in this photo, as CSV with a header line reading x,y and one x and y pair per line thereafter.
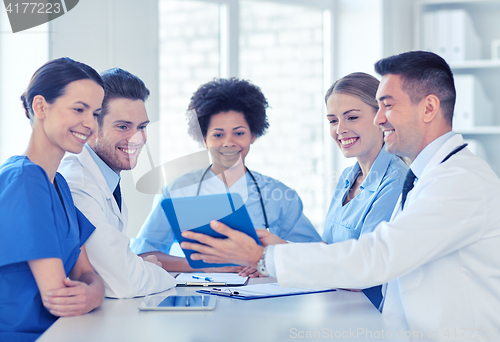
x,y
255,182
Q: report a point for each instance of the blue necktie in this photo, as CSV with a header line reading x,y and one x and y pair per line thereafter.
x,y
407,186
118,196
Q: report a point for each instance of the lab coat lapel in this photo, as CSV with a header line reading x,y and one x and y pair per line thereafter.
x,y
396,209
447,147
88,162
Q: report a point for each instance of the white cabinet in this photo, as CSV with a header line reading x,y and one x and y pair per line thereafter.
x,y
466,33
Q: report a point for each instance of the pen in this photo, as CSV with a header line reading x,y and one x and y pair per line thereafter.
x,y
224,292
201,277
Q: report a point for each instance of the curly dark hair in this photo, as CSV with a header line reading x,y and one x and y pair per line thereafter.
x,y
223,95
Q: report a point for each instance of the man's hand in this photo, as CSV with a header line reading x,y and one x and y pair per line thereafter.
x,y
238,248
267,238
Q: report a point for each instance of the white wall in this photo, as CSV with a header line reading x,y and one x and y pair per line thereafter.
x,y
359,44
20,55
115,33
360,35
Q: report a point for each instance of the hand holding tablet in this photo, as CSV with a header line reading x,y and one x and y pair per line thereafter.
x,y
196,213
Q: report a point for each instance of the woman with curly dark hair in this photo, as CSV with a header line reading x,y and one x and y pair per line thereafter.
x,y
227,116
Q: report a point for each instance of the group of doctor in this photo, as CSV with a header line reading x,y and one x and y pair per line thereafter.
x,y
67,248
438,254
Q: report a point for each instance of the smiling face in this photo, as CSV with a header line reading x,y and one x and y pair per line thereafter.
x,y
352,128
122,135
228,139
71,119
398,118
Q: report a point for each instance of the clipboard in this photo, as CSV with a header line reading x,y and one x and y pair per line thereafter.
x,y
218,279
259,291
195,213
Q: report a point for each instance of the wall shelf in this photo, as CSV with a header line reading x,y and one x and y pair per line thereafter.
x,y
485,130
476,64
480,74
457,2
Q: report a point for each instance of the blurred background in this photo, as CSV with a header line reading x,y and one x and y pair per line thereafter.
x,y
292,49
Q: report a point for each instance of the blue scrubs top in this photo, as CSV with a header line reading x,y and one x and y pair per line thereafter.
x,y
375,203
282,204
34,225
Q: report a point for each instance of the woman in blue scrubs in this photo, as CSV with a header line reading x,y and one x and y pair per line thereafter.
x,y
44,270
227,115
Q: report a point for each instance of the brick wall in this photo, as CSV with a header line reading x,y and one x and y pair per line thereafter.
x,y
189,57
281,52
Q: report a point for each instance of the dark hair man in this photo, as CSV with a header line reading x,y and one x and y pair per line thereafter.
x,y
439,252
94,180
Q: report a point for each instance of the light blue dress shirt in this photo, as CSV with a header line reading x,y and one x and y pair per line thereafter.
x,y
111,177
375,203
282,204
424,157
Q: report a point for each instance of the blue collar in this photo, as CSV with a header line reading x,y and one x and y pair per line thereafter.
x,y
111,177
376,174
427,153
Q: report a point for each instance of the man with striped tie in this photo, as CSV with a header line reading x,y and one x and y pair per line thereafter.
x,y
94,179
439,252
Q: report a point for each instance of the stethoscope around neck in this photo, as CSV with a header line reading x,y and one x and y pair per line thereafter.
x,y
227,190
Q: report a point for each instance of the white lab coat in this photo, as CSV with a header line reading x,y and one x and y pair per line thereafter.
x,y
441,254
125,274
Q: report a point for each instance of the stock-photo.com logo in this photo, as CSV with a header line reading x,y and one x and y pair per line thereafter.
x,y
25,14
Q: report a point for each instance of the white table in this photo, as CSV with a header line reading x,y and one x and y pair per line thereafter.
x,y
338,315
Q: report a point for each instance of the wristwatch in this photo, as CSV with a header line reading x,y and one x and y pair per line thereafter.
x,y
261,265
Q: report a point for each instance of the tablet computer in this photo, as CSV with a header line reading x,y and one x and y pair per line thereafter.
x,y
195,213
167,303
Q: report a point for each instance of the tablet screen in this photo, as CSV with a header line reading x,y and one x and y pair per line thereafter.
x,y
163,302
185,301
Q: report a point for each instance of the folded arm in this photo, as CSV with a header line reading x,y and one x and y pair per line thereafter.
x,y
124,273
82,292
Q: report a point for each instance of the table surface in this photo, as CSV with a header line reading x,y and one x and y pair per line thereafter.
x,y
330,315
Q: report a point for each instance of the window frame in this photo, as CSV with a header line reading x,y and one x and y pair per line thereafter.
x,y
229,64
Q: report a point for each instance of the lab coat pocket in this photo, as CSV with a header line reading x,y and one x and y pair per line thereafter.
x,y
411,280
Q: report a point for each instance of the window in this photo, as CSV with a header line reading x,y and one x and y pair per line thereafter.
x,y
281,50
189,57
21,54
282,47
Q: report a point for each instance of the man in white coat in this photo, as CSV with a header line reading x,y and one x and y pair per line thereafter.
x,y
439,253
93,177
